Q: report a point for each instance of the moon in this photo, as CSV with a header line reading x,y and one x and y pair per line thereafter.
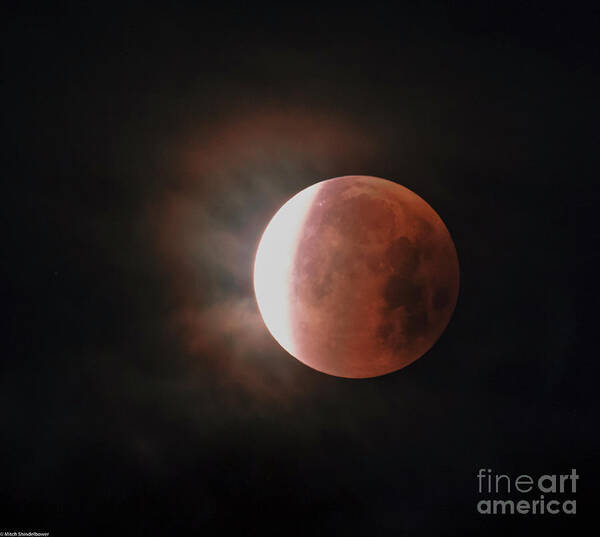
x,y
356,276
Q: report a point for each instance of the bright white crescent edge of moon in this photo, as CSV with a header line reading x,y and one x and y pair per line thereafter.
x,y
273,265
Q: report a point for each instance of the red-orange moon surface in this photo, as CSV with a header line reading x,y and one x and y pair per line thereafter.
x,y
356,276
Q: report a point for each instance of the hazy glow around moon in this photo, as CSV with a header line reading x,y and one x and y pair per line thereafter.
x,y
273,265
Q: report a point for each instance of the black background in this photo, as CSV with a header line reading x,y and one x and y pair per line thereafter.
x,y
146,147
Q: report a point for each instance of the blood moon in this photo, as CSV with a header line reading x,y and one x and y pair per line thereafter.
x,y
356,276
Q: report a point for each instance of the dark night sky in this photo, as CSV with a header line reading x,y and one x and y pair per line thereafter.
x,y
145,150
